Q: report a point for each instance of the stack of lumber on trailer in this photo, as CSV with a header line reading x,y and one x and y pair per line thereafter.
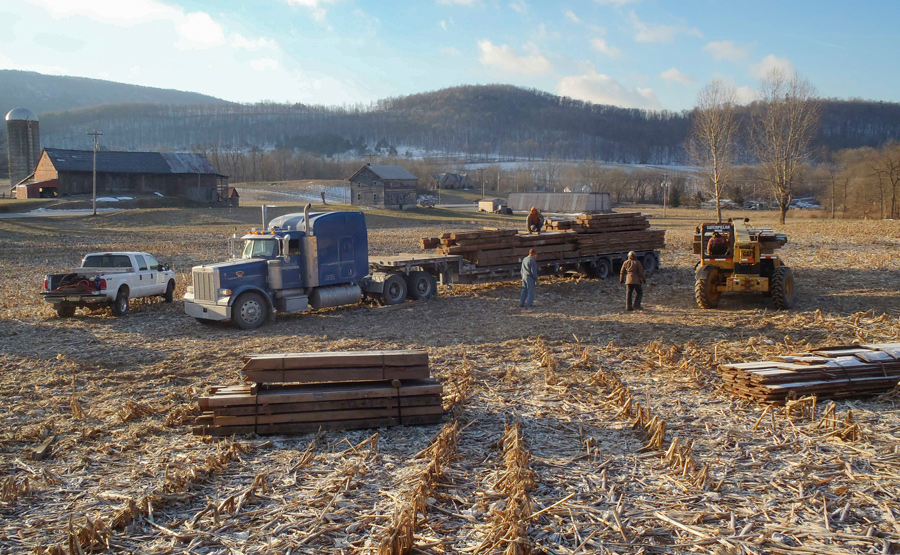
x,y
581,236
599,223
303,392
828,372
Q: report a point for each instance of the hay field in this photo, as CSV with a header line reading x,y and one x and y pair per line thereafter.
x,y
544,447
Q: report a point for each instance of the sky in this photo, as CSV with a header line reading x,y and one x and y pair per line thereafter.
x,y
651,54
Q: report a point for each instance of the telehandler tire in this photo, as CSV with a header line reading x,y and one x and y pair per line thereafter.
x,y
706,290
781,285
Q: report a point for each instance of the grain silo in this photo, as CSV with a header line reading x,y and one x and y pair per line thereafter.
x,y
24,143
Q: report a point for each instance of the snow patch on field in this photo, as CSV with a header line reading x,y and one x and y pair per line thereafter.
x,y
114,199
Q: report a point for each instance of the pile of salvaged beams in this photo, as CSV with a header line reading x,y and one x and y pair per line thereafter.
x,y
829,373
303,392
585,235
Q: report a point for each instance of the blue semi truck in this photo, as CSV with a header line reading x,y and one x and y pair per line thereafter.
x,y
309,261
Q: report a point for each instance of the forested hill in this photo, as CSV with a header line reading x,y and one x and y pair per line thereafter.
x,y
479,120
49,93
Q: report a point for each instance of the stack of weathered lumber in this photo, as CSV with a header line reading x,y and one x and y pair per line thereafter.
x,y
585,235
599,223
303,392
829,373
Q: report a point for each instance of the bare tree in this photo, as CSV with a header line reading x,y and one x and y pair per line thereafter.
x,y
784,126
712,141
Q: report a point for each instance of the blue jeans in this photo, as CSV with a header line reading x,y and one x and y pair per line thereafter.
x,y
527,298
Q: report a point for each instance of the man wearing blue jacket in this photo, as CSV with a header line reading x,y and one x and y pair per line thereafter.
x,y
529,280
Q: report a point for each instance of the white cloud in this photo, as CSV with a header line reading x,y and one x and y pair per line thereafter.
x,y
570,15
727,50
674,75
519,6
443,24
198,31
316,6
601,45
746,95
504,57
655,32
458,2
769,63
615,2
602,89
239,41
264,64
449,51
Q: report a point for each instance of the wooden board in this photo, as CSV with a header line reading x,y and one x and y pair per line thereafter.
x,y
319,375
347,359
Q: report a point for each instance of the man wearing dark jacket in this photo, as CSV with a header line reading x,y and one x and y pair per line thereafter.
x,y
529,280
632,275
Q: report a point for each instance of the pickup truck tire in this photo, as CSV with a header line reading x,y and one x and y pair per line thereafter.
x,y
120,305
64,310
394,290
169,295
249,311
422,285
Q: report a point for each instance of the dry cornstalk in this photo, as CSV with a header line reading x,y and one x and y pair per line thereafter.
x,y
510,525
398,537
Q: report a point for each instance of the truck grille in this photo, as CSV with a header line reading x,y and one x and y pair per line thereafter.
x,y
206,284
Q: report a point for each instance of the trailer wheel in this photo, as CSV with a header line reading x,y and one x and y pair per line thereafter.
x,y
601,268
120,305
64,310
249,311
394,290
781,286
421,285
706,290
650,263
169,296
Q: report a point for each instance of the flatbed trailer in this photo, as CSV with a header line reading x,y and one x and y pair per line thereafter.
x,y
449,269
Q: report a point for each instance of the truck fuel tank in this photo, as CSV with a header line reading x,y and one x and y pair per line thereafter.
x,y
334,295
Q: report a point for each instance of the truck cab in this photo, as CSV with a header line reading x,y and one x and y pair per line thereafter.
x,y
301,261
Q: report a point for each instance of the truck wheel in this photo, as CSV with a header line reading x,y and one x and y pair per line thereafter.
x,y
394,290
169,296
781,286
64,310
250,311
650,263
120,305
422,286
706,290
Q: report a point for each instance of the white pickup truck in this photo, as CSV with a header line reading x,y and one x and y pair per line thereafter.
x,y
109,279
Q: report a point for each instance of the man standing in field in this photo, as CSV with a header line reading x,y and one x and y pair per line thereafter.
x,y
632,275
529,280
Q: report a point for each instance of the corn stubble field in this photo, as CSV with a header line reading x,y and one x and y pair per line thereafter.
x,y
574,427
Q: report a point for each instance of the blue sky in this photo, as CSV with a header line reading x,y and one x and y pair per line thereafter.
x,y
639,53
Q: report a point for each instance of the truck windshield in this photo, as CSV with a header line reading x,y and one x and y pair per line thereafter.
x,y
260,248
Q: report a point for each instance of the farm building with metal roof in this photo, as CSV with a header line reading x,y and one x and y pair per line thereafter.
x,y
383,186
175,174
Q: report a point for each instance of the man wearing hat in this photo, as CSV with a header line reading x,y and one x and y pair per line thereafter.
x,y
632,275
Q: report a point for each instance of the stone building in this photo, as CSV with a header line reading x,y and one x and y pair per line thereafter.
x,y
383,186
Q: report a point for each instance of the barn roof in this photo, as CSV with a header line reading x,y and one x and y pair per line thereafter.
x,y
130,162
386,172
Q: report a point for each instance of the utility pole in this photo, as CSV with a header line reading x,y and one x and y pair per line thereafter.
x,y
665,188
95,134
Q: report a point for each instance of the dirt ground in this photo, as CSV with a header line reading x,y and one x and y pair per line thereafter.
x,y
125,474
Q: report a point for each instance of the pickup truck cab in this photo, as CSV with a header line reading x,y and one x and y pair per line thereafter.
x,y
109,279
